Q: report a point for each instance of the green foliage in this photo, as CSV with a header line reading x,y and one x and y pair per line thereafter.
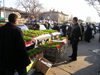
x,y
1,24
51,45
26,38
35,51
50,31
61,38
34,33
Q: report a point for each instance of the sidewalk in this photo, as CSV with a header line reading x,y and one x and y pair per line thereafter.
x,y
88,63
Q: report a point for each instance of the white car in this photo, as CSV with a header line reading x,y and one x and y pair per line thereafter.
x,y
42,27
23,27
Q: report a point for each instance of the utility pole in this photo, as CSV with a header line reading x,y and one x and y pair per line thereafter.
x,y
0,4
0,7
4,7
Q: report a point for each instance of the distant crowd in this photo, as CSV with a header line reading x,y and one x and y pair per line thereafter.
x,y
13,52
88,30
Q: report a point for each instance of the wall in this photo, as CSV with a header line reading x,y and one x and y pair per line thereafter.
x,y
62,18
2,14
55,16
6,13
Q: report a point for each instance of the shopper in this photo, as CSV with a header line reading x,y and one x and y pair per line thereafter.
x,y
13,55
82,31
56,27
75,34
63,27
93,30
36,26
47,25
99,32
69,32
88,33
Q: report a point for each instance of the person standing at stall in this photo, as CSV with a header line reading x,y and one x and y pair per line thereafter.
x,y
56,27
88,33
99,32
47,25
74,36
36,26
69,32
82,31
13,55
63,27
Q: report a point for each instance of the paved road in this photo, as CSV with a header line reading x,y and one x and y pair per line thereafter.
x,y
88,63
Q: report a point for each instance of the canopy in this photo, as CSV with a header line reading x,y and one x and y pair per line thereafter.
x,y
1,18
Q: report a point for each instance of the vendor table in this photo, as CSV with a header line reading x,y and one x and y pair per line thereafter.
x,y
45,38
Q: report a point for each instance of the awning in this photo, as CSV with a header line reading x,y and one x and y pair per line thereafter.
x,y
1,18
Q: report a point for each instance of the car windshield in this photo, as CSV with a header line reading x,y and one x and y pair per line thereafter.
x,y
23,27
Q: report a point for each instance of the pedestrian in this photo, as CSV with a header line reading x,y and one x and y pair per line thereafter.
x,y
75,34
13,55
93,30
69,32
63,27
56,27
36,26
82,31
88,33
47,25
99,32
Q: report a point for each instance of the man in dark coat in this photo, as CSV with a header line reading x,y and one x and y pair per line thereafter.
x,y
63,27
82,31
69,32
99,32
88,33
13,55
75,34
36,26
47,25
56,27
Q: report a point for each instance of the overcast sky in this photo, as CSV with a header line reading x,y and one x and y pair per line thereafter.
x,y
78,8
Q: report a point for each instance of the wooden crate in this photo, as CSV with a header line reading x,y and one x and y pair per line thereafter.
x,y
42,65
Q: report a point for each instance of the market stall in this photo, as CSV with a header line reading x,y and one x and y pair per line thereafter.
x,y
49,41
41,37
53,51
34,56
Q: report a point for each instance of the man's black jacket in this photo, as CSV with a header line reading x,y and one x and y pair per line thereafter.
x,y
56,27
12,48
75,33
63,27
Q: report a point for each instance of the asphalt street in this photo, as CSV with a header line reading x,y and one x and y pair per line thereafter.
x,y
88,62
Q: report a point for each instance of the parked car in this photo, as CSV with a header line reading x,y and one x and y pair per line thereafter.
x,y
42,27
23,27
97,29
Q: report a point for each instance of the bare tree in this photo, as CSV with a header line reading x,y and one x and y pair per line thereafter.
x,y
95,4
32,7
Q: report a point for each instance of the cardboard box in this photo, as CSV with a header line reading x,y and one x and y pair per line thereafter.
x,y
43,65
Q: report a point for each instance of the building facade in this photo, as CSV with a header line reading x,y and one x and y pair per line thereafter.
x,y
22,15
11,10
55,16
